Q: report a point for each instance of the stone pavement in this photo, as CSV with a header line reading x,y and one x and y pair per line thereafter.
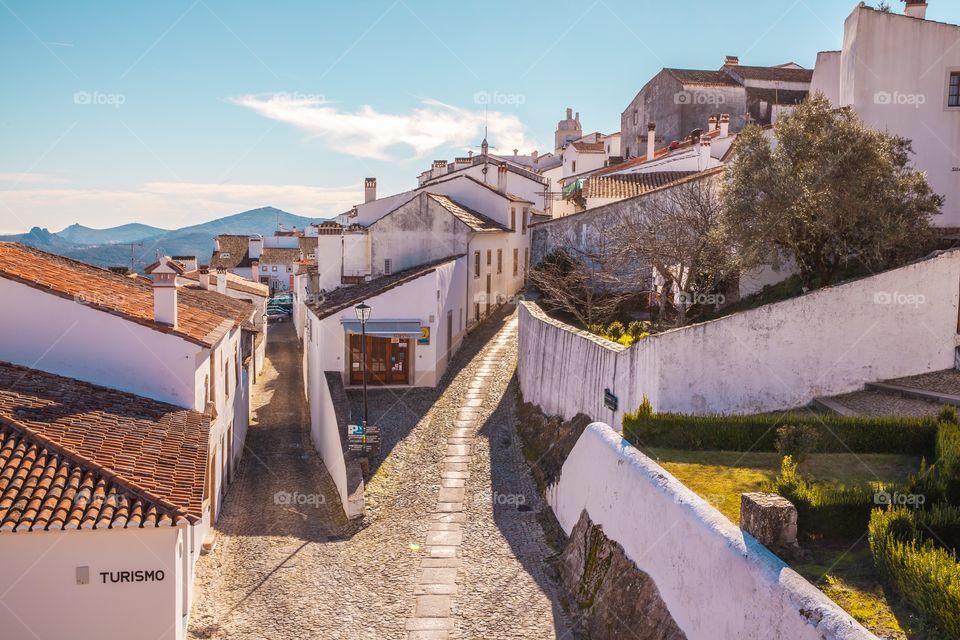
x,y
293,567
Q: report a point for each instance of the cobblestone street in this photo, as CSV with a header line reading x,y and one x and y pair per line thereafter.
x,y
302,571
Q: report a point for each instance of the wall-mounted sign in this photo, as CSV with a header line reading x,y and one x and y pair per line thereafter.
x,y
610,401
140,575
424,336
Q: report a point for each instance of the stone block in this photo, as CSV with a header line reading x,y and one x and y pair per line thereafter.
x,y
770,518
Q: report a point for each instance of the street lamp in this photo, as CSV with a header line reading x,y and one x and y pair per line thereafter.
x,y
363,313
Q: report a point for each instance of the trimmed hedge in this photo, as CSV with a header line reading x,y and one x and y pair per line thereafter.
x,y
824,510
838,434
923,573
948,461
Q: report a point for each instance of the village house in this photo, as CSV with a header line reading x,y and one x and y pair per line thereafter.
x,y
681,100
270,260
181,345
917,96
105,499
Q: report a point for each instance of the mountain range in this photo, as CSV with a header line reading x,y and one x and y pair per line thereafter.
x,y
139,244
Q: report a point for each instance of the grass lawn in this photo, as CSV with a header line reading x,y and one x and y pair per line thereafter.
x,y
844,571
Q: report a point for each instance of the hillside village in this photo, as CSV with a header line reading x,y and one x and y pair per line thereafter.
x,y
696,378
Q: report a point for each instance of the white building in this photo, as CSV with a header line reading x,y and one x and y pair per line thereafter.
x,y
901,73
270,260
182,345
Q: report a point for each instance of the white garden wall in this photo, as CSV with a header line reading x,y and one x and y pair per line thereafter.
x,y
716,580
897,323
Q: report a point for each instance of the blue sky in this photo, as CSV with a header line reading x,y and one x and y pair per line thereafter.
x,y
172,113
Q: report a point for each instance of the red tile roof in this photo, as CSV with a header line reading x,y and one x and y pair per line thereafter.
x,y
473,219
777,74
235,282
233,252
77,455
702,77
628,185
129,298
588,147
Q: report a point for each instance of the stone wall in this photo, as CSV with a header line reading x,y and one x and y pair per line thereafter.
x,y
637,534
775,357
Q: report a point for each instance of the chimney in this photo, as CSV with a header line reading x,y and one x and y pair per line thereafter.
x,y
711,123
255,247
439,168
577,117
704,152
502,178
569,113
724,125
369,189
165,272
731,61
916,9
533,154
204,275
222,281
651,139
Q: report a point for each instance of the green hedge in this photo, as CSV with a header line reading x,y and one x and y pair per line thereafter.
x,y
827,511
925,574
948,461
838,434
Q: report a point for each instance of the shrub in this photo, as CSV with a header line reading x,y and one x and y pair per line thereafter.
x,y
615,330
638,329
926,575
948,460
837,434
948,414
797,441
823,510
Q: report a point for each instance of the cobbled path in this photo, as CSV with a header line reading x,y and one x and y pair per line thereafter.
x,y
288,565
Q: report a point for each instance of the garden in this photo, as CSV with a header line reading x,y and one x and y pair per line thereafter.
x,y
878,501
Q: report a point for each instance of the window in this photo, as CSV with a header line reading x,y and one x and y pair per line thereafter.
x,y
489,257
387,266
226,378
476,312
264,268
573,166
273,268
476,264
636,117
289,269
499,260
516,260
953,95
213,378
523,220
513,218
526,262
225,254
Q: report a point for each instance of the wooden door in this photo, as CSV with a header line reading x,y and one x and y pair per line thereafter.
x,y
388,360
488,295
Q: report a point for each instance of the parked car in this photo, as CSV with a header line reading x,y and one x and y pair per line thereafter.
x,y
277,315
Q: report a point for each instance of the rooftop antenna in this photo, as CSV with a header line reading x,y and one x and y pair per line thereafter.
x,y
132,245
484,146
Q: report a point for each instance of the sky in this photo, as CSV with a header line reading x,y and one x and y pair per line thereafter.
x,y
177,112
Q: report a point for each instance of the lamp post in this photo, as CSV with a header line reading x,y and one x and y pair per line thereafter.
x,y
363,313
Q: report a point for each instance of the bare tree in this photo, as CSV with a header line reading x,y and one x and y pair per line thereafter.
x,y
585,280
680,234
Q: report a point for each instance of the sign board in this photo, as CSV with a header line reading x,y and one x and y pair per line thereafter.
x,y
424,336
363,438
610,401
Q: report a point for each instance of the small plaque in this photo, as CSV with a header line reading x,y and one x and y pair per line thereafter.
x,y
83,575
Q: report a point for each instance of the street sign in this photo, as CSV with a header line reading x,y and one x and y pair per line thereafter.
x,y
363,438
424,336
609,400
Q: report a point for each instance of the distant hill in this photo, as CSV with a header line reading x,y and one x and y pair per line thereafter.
x,y
110,250
133,232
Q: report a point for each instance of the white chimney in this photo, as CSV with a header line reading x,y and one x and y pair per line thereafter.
x,y
439,168
651,139
204,278
704,152
255,247
916,9
222,281
724,125
711,123
533,154
165,272
502,178
731,61
369,189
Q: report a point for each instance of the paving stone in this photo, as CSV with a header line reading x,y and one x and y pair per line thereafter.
x,y
462,475
449,507
436,525
440,562
451,494
458,450
435,589
456,460
443,552
424,624
446,538
432,607
429,634
441,575
452,482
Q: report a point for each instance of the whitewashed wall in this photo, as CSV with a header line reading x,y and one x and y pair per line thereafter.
x,y
901,322
716,580
43,600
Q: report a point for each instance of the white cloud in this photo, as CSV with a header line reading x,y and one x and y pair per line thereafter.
x,y
164,204
368,133
30,178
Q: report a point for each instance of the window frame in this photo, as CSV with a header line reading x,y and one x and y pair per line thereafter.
x,y
476,264
953,83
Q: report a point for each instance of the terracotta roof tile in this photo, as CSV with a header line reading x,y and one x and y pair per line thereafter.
x,y
778,74
702,77
279,256
235,282
128,297
473,219
76,455
628,185
588,147
233,253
